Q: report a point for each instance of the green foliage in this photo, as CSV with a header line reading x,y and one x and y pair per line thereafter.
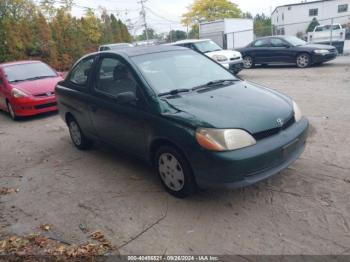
x,y
262,25
51,34
176,35
194,32
210,10
151,35
312,25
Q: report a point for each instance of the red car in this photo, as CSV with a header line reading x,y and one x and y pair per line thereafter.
x,y
27,88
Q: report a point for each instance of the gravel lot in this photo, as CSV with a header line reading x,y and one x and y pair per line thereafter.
x,y
304,210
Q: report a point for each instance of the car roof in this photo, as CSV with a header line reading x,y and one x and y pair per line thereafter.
x,y
273,36
117,44
20,63
188,41
144,50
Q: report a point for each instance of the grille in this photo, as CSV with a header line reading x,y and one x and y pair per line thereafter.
x,y
45,94
273,131
45,105
234,58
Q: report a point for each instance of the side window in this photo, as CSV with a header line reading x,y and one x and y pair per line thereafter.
x,y
276,42
80,73
261,43
115,78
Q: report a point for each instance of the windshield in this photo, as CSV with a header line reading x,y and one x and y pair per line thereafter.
x,y
294,41
207,46
31,71
167,71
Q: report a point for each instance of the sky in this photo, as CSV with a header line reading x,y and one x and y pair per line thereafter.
x,y
163,15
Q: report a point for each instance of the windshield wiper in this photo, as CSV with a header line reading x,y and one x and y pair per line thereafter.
x,y
37,78
175,92
215,83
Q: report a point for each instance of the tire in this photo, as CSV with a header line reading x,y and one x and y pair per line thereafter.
x,y
174,172
77,136
11,111
303,60
248,62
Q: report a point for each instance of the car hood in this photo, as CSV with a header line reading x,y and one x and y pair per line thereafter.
x,y
318,46
227,53
241,105
37,86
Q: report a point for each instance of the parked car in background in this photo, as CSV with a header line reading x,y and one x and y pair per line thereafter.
x,y
115,46
286,50
187,115
230,59
27,88
330,35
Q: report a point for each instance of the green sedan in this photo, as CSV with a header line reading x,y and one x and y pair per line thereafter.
x,y
185,114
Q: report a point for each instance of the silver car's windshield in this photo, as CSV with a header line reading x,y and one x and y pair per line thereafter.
x,y
294,41
185,69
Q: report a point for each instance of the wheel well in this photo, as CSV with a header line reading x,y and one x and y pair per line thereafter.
x,y
163,142
69,117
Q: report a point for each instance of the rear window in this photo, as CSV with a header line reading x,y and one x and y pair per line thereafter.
x,y
26,72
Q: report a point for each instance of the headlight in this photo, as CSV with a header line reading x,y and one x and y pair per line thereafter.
x,y
220,58
223,139
18,93
321,52
297,112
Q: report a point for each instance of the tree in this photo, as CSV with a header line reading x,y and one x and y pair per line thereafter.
x,y
151,35
194,32
210,10
262,25
176,35
312,25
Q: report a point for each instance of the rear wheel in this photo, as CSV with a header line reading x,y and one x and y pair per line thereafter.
x,y
77,136
303,60
11,111
248,62
174,171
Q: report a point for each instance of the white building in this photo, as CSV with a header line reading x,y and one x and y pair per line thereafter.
x,y
294,19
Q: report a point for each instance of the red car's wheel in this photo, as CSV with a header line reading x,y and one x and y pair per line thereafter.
x,y
11,111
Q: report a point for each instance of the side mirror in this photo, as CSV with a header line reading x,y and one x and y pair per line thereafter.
x,y
126,98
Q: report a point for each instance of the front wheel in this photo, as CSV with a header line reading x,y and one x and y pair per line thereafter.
x,y
303,60
248,62
11,111
77,136
174,171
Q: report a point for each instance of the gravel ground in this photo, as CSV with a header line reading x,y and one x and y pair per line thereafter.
x,y
304,210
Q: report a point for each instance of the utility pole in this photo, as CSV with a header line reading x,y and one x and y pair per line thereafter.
x,y
143,14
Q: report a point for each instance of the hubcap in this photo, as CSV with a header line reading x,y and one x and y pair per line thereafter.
x,y
247,61
171,172
75,132
303,61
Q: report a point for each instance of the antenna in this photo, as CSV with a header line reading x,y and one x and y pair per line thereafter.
x,y
143,14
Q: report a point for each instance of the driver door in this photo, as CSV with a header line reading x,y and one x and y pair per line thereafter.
x,y
117,121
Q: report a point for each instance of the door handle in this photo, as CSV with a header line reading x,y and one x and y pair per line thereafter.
x,y
93,108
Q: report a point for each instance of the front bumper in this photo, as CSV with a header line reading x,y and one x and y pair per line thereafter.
x,y
250,165
324,58
29,106
235,67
